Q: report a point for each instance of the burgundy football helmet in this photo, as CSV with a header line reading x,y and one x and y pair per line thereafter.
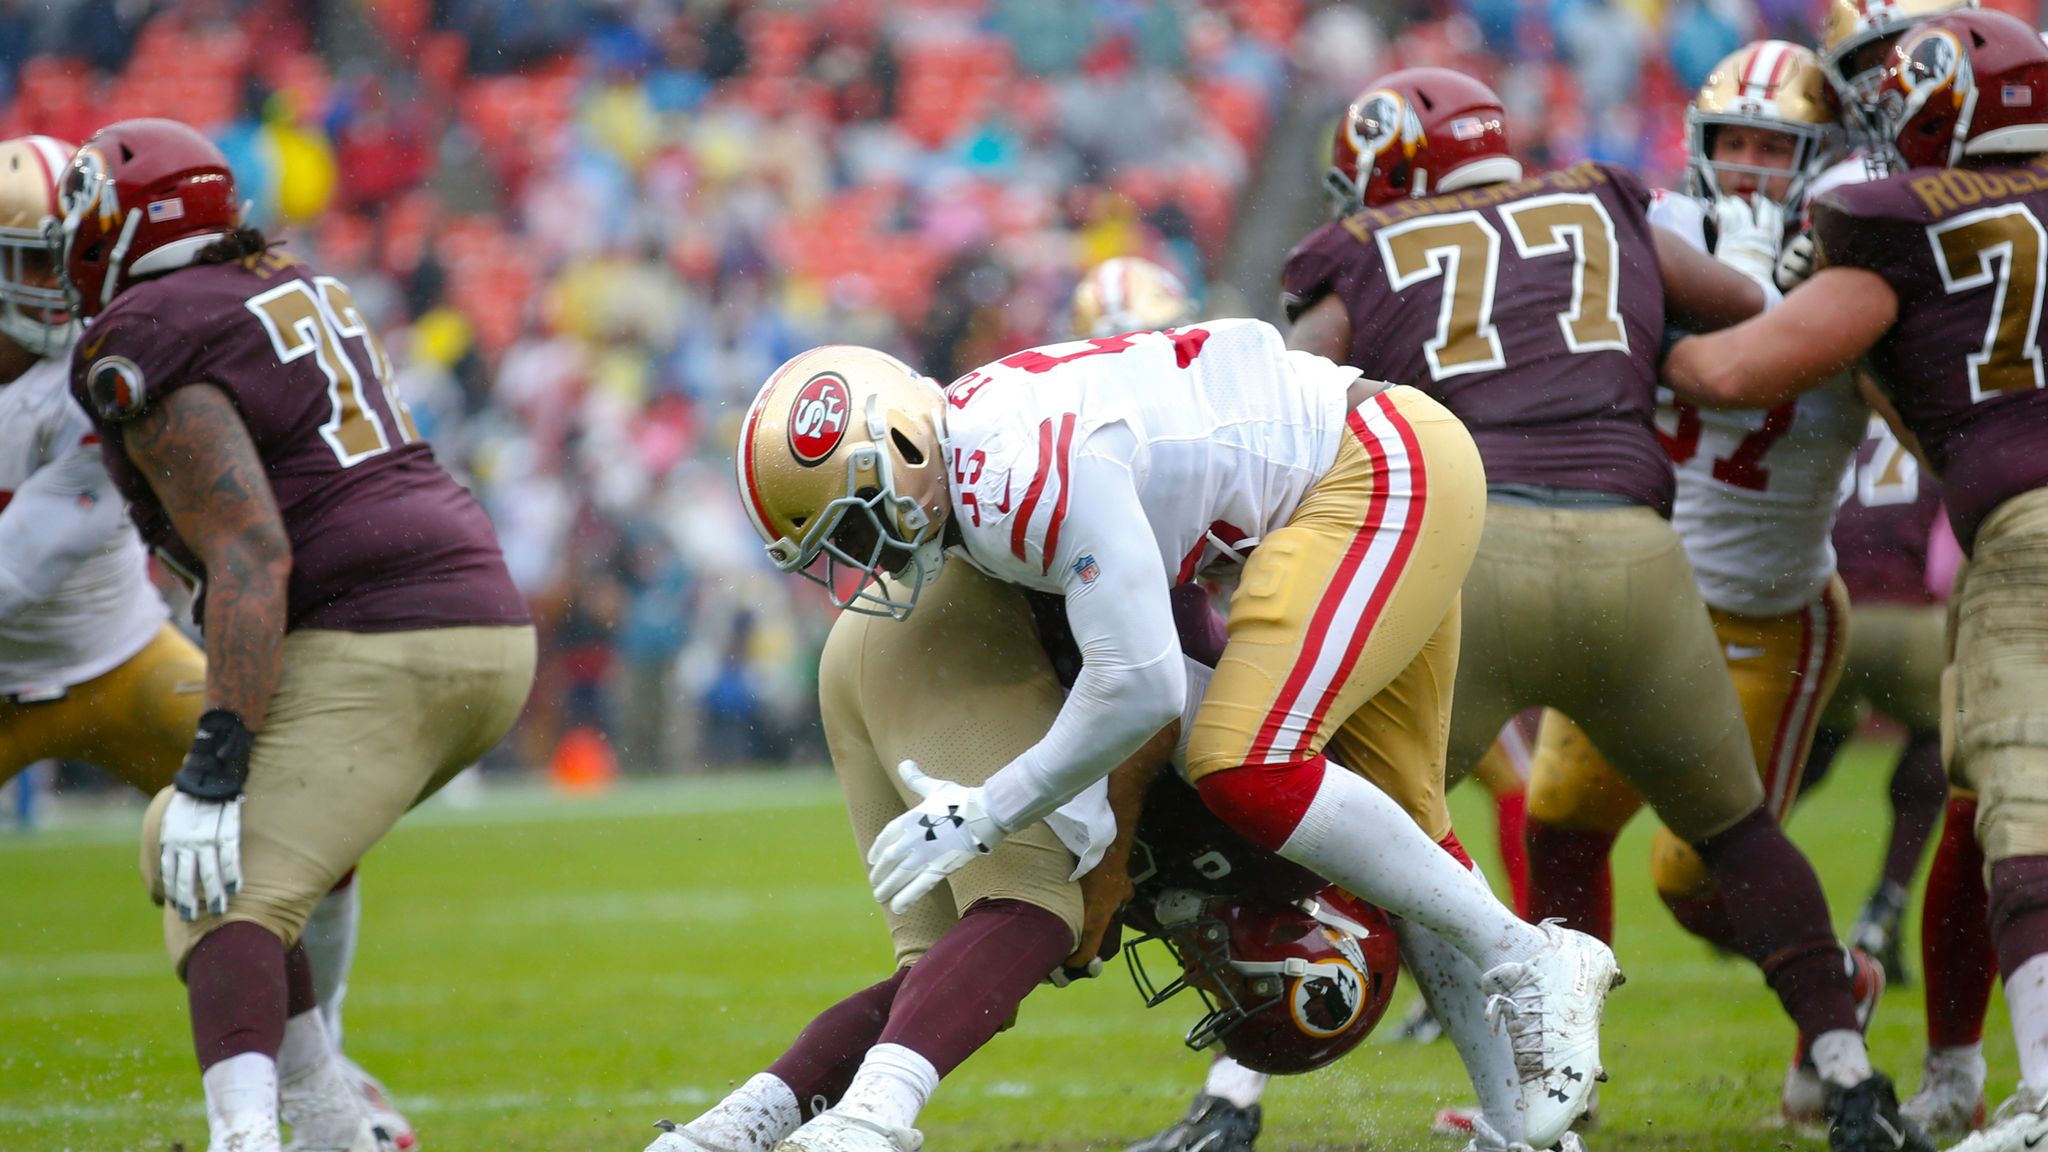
x,y
1289,987
141,197
1967,83
1415,133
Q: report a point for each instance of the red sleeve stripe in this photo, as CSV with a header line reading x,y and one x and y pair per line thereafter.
x,y
1059,509
1037,489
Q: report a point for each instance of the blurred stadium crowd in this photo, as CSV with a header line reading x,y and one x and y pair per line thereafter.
x,y
590,229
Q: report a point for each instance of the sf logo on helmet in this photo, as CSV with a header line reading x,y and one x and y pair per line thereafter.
x,y
817,421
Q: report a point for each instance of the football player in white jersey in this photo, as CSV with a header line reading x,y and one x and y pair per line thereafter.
x,y
1112,469
90,666
1754,507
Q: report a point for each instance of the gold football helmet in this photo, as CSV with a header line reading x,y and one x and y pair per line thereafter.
x,y
1129,294
34,311
1854,40
1774,86
840,457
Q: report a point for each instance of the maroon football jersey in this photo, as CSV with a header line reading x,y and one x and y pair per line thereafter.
x,y
1885,522
383,539
1533,310
1964,251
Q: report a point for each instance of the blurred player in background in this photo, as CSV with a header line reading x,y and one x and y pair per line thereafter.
x,y
90,667
1754,506
1534,309
1932,275
364,642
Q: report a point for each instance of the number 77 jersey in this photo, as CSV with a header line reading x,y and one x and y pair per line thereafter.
x,y
1533,310
382,538
1224,429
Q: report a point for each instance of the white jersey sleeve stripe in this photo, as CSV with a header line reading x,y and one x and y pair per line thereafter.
x,y
1359,590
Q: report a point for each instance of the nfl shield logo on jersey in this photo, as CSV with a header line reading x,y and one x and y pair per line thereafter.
x,y
1087,569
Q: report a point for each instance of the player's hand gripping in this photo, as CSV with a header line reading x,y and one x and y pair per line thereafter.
x,y
1795,263
1748,233
931,841
201,838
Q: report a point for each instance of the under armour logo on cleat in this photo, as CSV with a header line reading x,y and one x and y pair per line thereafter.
x,y
1571,1074
1560,1094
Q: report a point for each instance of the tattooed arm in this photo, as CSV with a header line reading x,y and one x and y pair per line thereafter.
x,y
195,452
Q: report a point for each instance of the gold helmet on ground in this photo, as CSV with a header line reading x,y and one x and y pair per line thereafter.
x,y
1774,86
839,457
33,309
1129,294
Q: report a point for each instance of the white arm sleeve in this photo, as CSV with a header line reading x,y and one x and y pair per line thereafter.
x,y
1131,683
65,513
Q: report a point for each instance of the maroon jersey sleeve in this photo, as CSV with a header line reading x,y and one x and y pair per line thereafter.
x,y
1534,311
1964,251
1883,527
382,538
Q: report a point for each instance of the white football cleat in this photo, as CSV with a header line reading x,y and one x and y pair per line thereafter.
x,y
834,1131
1550,1005
1950,1101
676,1138
393,1130
1485,1139
258,1136
324,1114
2019,1125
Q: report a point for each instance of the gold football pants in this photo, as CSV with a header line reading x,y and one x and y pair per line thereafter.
x,y
136,720
1344,627
1995,716
1783,669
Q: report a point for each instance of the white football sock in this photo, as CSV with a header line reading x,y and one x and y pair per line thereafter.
x,y
754,1117
1449,981
1841,1057
1962,1061
891,1087
1235,1082
2026,996
306,1045
330,939
241,1096
1357,836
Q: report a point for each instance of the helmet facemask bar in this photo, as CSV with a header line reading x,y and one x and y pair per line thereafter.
x,y
87,188
1816,147
37,316
1938,68
860,534
1210,973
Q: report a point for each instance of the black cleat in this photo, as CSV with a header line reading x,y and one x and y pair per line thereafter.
x,y
1866,1119
1213,1124
1877,932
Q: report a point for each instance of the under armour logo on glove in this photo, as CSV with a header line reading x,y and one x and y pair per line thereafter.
x,y
930,842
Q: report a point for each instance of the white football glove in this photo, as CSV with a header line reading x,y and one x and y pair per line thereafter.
x,y
202,854
1795,263
931,841
1749,231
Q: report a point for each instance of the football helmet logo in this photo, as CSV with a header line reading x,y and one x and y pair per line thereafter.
x,y
839,458
34,311
1415,133
1289,987
1969,83
1129,294
1854,40
1774,86
141,197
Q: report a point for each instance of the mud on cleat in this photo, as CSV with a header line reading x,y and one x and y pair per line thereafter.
x,y
1551,1005
1212,1124
1866,1118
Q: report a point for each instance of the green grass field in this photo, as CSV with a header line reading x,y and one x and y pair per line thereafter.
x,y
540,973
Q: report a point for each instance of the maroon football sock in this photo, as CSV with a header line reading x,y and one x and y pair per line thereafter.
x,y
1570,878
1780,920
2019,910
1918,788
820,1065
1955,933
1705,917
968,986
299,995
1511,819
235,984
